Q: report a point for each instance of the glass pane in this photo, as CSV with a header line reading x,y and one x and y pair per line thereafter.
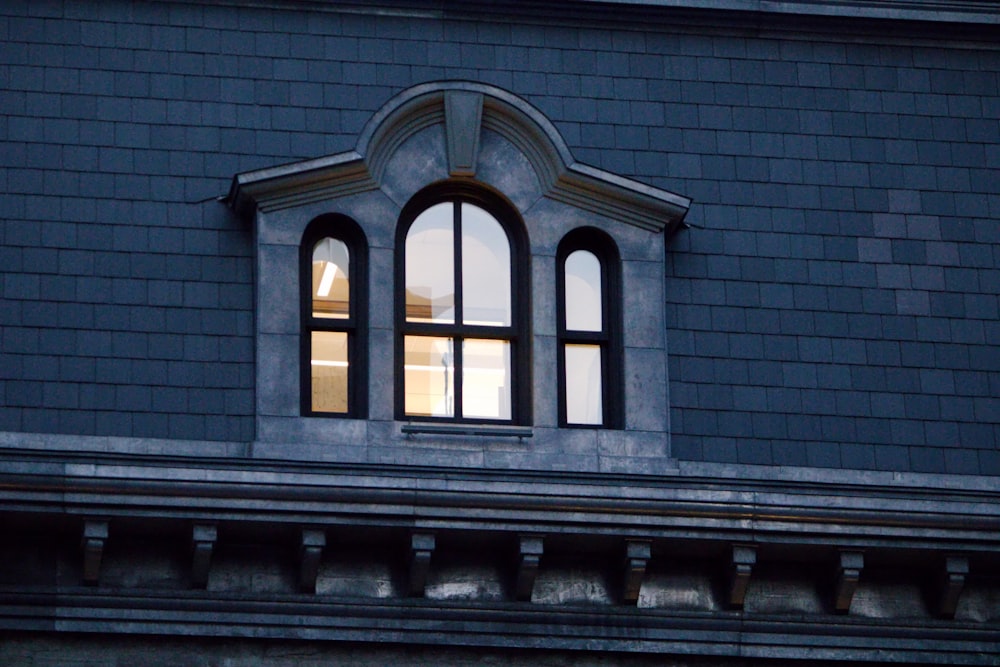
x,y
485,269
430,266
583,292
486,379
429,376
329,371
583,385
331,290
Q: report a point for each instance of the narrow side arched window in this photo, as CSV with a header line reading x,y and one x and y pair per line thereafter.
x,y
461,315
333,269
588,284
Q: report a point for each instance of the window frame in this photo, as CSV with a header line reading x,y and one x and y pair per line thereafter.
x,y
604,248
341,228
518,333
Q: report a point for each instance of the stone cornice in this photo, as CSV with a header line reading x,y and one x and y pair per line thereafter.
x,y
945,11
686,506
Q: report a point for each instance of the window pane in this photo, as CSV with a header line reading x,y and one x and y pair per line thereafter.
x,y
329,371
331,291
485,269
429,376
430,266
583,384
583,292
486,378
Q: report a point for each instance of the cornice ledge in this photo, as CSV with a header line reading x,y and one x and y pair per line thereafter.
x,y
939,11
299,183
621,629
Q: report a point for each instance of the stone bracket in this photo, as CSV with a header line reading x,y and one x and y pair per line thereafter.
x,y
203,538
848,575
310,555
744,558
421,549
952,582
95,535
637,555
530,555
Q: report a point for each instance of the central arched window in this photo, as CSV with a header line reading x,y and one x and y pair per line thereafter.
x,y
461,345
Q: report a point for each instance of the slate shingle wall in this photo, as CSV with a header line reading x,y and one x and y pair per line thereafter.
x,y
836,306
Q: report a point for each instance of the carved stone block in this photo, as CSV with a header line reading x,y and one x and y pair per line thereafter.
x,y
952,582
848,574
310,555
744,558
95,535
637,554
203,537
421,549
530,555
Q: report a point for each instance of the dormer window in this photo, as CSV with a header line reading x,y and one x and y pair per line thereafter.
x,y
470,295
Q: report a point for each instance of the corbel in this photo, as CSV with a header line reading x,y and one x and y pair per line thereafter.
x,y
637,554
203,538
95,535
952,582
310,554
530,555
744,558
421,548
848,575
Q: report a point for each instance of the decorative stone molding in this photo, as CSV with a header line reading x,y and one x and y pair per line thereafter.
x,y
310,554
744,558
421,549
203,537
848,575
465,108
637,554
95,535
530,556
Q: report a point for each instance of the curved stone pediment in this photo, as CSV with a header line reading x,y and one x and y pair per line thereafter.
x,y
466,111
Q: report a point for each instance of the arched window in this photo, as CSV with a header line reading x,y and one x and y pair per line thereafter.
x,y
462,345
589,324
333,264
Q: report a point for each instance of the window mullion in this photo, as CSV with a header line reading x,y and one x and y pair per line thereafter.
x,y
459,307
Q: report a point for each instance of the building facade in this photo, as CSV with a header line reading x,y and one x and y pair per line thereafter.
x,y
536,333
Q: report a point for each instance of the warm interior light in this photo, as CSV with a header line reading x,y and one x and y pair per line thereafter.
x,y
326,282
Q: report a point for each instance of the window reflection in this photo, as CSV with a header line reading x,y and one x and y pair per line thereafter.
x,y
583,292
485,269
329,365
583,384
331,290
429,376
486,379
430,266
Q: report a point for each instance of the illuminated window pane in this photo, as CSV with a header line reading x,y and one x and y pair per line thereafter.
x,y
329,371
583,292
583,384
486,379
331,291
429,376
485,269
430,266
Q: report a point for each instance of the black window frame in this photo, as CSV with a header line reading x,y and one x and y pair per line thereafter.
x,y
342,228
604,248
518,333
